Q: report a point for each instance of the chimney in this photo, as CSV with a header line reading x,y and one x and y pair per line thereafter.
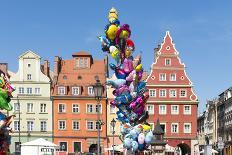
x,y
46,67
156,51
57,65
4,68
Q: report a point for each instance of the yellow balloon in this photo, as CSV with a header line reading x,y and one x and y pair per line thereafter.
x,y
128,53
139,67
146,127
124,34
111,32
114,51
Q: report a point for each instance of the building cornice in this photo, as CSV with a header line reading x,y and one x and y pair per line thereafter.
x,y
81,137
75,98
29,82
169,68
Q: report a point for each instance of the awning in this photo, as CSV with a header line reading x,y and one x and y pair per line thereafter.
x,y
213,151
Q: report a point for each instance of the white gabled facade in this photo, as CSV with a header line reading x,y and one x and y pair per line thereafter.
x,y
33,93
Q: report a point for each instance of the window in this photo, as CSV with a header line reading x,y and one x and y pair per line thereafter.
x,y
43,126
174,128
81,63
16,107
150,109
187,127
61,90
163,93
17,147
90,91
28,65
77,147
152,92
172,93
183,93
112,109
43,107
62,125
30,125
85,62
61,108
97,125
30,108
65,77
29,90
162,109
98,108
16,126
173,77
89,108
90,125
75,108
162,77
187,109
37,90
167,62
21,90
63,146
28,76
163,126
76,125
175,109
75,90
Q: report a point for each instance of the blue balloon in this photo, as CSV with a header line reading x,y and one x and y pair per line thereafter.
x,y
141,147
135,146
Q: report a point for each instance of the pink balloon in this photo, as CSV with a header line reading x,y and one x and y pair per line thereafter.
x,y
141,138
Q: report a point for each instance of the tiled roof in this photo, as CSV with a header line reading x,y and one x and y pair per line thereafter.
x,y
81,53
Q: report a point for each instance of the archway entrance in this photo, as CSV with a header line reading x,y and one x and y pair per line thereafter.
x,y
93,148
185,149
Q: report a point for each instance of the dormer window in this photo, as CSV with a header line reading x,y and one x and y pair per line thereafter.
x,y
75,90
167,62
28,76
61,90
82,62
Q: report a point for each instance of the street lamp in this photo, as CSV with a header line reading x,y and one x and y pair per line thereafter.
x,y
98,90
19,111
112,123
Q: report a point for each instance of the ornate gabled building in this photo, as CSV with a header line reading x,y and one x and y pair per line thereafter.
x,y
172,98
31,101
75,108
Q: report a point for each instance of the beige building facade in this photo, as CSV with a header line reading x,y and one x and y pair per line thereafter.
x,y
31,101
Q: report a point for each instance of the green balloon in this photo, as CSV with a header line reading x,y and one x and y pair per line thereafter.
x,y
4,100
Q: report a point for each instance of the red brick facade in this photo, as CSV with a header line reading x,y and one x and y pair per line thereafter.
x,y
172,98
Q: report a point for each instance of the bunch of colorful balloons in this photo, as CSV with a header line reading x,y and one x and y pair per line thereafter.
x,y
129,89
5,97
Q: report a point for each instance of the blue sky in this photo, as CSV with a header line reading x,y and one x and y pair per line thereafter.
x,y
201,30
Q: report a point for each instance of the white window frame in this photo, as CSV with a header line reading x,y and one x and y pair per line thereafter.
x,y
96,126
170,63
171,77
190,111
61,90
165,126
90,91
150,112
177,129
60,126
43,107
74,90
78,107
29,76
21,90
100,107
43,127
171,95
29,90
185,93
152,94
185,131
16,125
161,93
162,112
112,109
63,108
37,90
30,126
30,107
87,110
78,124
161,77
87,125
174,112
